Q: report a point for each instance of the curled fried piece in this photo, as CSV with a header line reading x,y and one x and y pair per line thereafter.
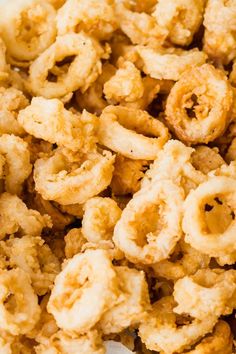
x,y
17,162
141,28
219,35
15,217
190,262
85,54
206,159
127,131
19,307
209,217
180,18
96,18
4,69
169,64
125,85
72,181
11,102
132,305
100,218
82,285
149,227
74,242
206,292
199,105
219,342
32,255
49,120
160,331
28,28
127,175
62,343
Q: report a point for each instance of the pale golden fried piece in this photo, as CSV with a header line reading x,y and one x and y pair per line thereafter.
x,y
219,35
74,242
198,108
47,119
127,175
15,217
28,28
96,18
4,68
83,291
205,159
180,18
160,330
131,306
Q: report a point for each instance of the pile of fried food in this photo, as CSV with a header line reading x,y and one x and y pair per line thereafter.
x,y
118,176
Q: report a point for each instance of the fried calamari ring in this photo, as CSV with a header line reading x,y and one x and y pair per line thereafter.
x,y
74,242
4,69
11,102
19,307
67,181
17,162
15,217
126,85
199,105
132,305
83,291
169,64
62,343
49,120
219,35
85,67
100,218
190,262
219,342
28,28
174,162
127,175
127,131
209,217
149,227
180,18
141,28
206,159
160,331
206,292
96,18
32,255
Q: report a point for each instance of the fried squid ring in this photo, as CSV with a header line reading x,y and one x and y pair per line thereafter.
x,y
127,131
141,28
17,162
15,217
85,67
209,217
100,218
219,35
19,307
132,306
49,120
174,162
74,242
199,105
32,255
62,343
219,342
96,18
28,28
149,227
169,64
206,292
160,331
11,102
82,293
190,262
180,18
67,181
127,175
126,85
